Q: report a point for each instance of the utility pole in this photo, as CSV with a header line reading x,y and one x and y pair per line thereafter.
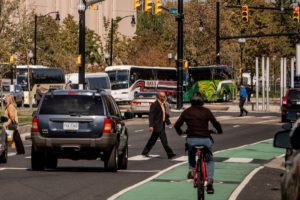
x,y
81,10
179,62
218,55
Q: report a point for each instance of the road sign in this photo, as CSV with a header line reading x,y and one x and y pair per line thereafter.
x,y
173,11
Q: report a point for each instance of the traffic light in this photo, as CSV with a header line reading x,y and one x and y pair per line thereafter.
x,y
148,5
245,13
11,60
93,7
136,4
78,61
185,64
158,5
296,14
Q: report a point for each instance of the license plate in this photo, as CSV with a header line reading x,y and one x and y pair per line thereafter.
x,y
298,102
71,126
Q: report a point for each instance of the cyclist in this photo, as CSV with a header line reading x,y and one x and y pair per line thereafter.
x,y
197,118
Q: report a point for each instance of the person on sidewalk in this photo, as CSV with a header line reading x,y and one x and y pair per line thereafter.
x,y
197,119
158,118
243,95
12,123
249,92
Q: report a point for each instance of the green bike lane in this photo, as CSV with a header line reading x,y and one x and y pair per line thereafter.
x,y
232,166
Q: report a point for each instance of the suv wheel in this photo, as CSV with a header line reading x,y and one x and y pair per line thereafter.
x,y
123,159
37,159
283,118
51,160
3,157
111,162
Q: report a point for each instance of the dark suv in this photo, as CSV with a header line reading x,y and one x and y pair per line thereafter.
x,y
290,103
78,124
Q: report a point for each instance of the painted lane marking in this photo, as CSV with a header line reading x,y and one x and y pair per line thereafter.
x,y
141,130
11,154
139,171
239,160
13,168
266,121
238,190
142,158
115,196
181,159
235,126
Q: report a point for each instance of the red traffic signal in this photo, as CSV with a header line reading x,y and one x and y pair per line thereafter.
x,y
296,14
245,13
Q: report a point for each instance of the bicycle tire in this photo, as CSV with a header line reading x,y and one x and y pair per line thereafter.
x,y
200,185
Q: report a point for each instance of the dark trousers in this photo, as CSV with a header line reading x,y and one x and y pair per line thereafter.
x,y
18,142
152,140
241,105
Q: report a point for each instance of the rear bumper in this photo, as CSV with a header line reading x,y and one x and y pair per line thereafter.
x,y
105,143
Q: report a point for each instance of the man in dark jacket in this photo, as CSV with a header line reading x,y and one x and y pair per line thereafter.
x,y
197,118
158,118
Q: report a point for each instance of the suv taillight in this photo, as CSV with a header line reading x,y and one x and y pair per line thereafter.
x,y
107,125
35,127
283,101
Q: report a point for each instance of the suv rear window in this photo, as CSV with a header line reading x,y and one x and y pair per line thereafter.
x,y
294,95
72,105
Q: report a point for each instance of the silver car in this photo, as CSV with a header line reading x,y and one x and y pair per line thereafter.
x,y
16,91
141,103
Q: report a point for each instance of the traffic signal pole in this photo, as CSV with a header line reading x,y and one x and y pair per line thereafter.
x,y
179,62
218,56
82,45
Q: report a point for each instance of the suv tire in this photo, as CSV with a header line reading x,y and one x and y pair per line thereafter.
x,y
37,159
3,157
123,159
111,161
51,160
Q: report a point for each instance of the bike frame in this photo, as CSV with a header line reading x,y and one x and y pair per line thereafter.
x,y
200,166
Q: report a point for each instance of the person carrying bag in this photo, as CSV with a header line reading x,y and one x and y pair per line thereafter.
x,y
12,123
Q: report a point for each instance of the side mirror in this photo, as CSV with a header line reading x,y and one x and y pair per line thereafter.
x,y
282,139
4,119
287,126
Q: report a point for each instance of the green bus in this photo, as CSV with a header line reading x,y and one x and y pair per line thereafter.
x,y
215,83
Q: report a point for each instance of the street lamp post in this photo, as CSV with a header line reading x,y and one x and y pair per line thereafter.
x,y
30,55
112,34
179,62
57,19
242,44
81,11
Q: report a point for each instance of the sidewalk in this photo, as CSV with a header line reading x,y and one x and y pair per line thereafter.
x,y
232,167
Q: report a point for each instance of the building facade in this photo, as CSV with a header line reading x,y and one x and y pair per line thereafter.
x,y
107,9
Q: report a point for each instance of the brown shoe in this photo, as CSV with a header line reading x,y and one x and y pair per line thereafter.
x,y
209,186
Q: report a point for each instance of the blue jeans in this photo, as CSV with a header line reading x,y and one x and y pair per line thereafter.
x,y
210,165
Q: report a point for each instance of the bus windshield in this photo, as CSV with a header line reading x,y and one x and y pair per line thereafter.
x,y
119,79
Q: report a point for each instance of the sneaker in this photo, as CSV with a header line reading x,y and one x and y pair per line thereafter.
x,y
190,175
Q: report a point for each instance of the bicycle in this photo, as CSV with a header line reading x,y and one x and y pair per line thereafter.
x,y
200,173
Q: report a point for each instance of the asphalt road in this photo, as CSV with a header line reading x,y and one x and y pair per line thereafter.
x,y
88,180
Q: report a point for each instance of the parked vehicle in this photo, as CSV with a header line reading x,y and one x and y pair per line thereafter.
x,y
78,124
141,103
3,142
290,103
16,91
290,139
94,81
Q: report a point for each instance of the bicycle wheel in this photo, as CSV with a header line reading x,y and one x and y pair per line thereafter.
x,y
200,185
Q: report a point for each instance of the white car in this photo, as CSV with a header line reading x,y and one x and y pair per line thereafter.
x,y
141,103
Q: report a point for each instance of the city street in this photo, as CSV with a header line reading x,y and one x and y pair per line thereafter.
x,y
88,180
